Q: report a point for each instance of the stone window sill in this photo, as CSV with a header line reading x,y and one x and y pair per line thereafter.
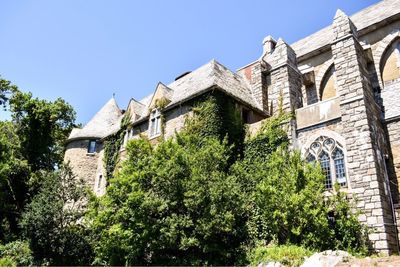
x,y
154,136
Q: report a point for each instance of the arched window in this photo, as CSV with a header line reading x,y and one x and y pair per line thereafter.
x,y
330,155
390,64
328,88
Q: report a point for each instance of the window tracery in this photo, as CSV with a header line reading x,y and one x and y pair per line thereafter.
x,y
330,155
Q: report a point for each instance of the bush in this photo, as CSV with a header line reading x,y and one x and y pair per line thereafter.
x,y
172,205
288,255
208,196
16,253
51,221
7,262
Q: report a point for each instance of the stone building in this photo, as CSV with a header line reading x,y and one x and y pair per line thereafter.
x,y
343,84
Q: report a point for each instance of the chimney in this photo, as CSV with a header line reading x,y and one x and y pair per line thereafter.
x,y
268,45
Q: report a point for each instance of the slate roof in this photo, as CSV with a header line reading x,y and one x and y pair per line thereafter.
x,y
208,76
106,121
362,19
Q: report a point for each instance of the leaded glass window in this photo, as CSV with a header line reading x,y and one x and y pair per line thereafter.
x,y
330,155
325,165
340,170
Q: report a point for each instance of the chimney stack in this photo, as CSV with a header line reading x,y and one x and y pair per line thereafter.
x,y
268,45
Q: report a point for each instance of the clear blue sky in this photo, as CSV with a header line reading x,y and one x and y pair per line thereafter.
x,y
84,51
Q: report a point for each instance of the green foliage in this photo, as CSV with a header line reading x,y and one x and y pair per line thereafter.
x,y
174,205
216,115
7,262
347,233
288,255
16,253
6,88
14,180
42,127
286,196
207,197
50,221
112,145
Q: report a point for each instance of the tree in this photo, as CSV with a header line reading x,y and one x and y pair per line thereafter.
x,y
31,143
42,126
207,197
173,204
6,88
51,221
14,179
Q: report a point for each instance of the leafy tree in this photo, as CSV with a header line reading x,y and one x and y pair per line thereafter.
x,y
6,88
173,204
207,196
14,177
42,126
51,221
286,196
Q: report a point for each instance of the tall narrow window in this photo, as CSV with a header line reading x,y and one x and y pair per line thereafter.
x,y
155,123
245,115
311,93
325,165
99,181
340,171
92,146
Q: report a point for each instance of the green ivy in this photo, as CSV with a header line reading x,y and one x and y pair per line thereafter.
x,y
112,146
216,115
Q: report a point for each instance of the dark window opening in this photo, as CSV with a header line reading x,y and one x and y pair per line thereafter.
x,y
99,181
92,146
245,115
311,94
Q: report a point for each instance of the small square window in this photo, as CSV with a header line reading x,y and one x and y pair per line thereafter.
x,y
92,146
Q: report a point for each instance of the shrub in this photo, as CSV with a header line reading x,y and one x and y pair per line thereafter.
x,y
16,253
288,255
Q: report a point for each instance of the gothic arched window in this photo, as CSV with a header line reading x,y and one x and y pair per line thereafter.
x,y
330,155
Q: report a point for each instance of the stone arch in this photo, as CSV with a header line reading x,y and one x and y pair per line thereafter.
x,y
321,73
338,143
327,133
327,87
379,53
389,65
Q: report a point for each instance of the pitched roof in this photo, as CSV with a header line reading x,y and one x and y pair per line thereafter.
x,y
208,76
106,121
362,19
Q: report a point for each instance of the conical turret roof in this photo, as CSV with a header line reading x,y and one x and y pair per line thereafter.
x,y
106,121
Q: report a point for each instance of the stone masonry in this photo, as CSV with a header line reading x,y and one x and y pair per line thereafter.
x,y
352,125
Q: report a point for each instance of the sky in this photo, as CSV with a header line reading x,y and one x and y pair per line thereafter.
x,y
85,51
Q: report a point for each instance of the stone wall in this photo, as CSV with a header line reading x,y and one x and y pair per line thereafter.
x,y
83,164
364,135
391,99
393,130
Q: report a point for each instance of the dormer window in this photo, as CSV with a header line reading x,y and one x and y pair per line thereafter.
x,y
91,146
155,123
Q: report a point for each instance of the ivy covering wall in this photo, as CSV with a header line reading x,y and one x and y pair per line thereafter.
x,y
209,196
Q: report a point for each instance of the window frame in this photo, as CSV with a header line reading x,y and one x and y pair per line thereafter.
x,y
89,147
155,123
330,147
